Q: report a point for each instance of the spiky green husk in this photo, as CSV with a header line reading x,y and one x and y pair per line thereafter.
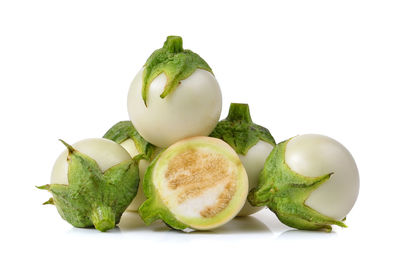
x,y
94,198
285,192
124,130
175,62
239,131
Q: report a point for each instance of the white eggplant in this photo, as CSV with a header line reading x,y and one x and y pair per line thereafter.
x,y
174,96
309,181
93,182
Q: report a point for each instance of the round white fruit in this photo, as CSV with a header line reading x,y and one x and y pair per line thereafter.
x,y
253,162
315,155
192,109
105,152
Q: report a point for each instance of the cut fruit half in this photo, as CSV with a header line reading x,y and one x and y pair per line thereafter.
x,y
197,183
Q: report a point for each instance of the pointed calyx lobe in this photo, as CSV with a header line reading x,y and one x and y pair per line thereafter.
x,y
285,193
94,198
175,62
124,130
239,131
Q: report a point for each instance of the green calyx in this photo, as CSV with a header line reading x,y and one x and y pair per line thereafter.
x,y
124,130
285,192
153,208
175,62
94,198
239,131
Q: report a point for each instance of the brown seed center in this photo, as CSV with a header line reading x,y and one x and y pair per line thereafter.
x,y
193,172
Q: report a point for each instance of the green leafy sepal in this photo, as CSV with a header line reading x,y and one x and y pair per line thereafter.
x,y
285,192
94,198
175,62
239,131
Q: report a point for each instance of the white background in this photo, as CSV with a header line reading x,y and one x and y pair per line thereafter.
x,y
329,67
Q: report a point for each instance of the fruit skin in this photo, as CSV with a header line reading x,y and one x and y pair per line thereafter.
x,y
164,113
252,142
125,134
155,208
93,197
285,192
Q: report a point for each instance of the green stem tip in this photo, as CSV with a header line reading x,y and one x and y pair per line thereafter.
x,y
44,187
173,44
50,201
68,146
103,218
239,112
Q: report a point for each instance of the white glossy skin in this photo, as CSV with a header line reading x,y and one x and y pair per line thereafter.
x,y
193,109
315,155
105,152
129,145
253,162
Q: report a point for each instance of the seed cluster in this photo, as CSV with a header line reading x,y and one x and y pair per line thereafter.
x,y
193,172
